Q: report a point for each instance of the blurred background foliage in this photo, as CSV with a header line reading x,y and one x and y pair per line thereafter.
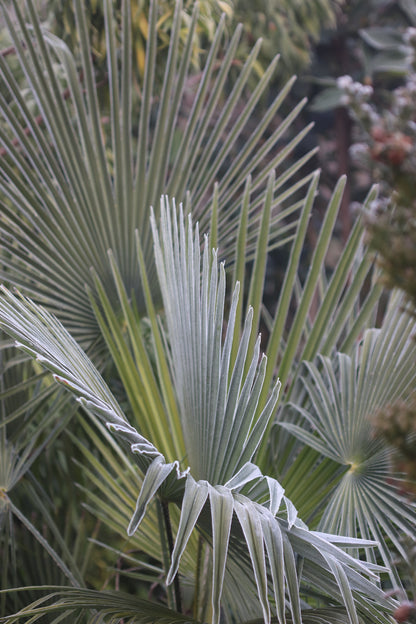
x,y
60,18
288,27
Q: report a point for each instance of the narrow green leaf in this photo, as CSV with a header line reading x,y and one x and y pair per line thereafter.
x,y
45,544
255,294
311,281
283,304
118,605
345,589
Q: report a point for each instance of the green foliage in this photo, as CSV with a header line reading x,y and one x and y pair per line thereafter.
x,y
192,453
92,183
62,20
336,401
232,483
368,43
386,120
287,27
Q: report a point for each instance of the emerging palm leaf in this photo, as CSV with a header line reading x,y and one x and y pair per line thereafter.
x,y
221,492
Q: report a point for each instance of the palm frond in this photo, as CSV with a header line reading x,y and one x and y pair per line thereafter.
x,y
323,306
213,397
336,398
74,187
101,606
334,615
316,314
113,484
151,404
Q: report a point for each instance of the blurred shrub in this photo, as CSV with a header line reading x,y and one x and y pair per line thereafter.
x,y
388,148
61,19
288,27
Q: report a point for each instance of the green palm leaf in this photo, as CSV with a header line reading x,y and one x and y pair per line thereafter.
x,y
212,396
200,398
319,616
336,397
314,314
114,481
101,606
75,187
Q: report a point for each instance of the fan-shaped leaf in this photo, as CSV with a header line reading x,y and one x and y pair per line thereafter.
x,y
337,399
74,187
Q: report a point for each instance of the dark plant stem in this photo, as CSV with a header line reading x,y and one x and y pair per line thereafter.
x,y
165,554
198,577
168,528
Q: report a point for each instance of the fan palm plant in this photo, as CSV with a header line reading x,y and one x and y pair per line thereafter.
x,y
197,458
216,481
